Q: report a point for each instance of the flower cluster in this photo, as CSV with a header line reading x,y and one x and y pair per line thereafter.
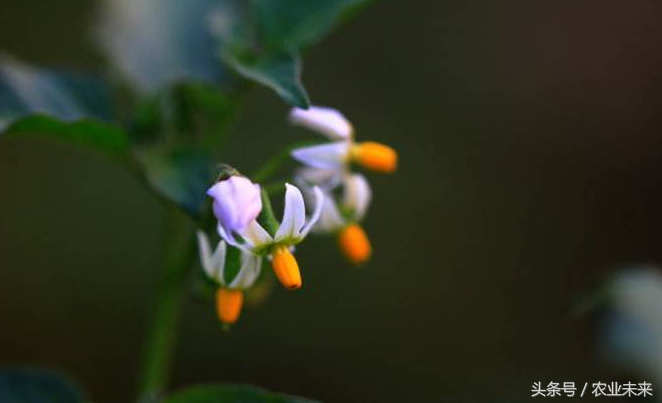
x,y
250,233
329,166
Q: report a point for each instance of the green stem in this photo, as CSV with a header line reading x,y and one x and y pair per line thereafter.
x,y
178,251
267,217
274,188
273,164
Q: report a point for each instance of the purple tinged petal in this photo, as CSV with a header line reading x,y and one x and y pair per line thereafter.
x,y
326,121
237,201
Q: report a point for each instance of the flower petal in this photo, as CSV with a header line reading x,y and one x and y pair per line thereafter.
x,y
294,214
256,236
357,195
326,179
204,249
251,265
227,236
330,218
237,201
212,264
326,156
319,203
326,121
218,261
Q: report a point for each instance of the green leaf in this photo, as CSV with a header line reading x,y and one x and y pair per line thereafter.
x,y
154,44
107,138
231,394
180,175
23,386
43,103
274,32
175,132
297,24
184,114
281,72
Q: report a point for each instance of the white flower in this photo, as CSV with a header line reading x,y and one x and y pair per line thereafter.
x,y
291,231
343,149
237,202
230,294
214,264
343,217
354,204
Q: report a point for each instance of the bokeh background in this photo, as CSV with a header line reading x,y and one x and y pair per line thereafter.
x,y
529,137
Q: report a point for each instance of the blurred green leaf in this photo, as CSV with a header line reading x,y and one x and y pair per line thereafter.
x,y
23,386
155,44
184,114
296,24
231,394
180,175
267,49
280,72
176,132
107,138
47,104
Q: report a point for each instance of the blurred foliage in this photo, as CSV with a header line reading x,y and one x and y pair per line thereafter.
x,y
534,132
231,394
25,386
177,129
184,103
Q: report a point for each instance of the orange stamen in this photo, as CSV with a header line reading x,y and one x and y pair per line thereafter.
x,y
228,304
375,156
355,244
286,268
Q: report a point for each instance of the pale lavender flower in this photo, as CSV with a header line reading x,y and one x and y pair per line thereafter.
x,y
237,202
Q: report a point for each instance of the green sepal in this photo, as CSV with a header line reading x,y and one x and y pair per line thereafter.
x,y
225,171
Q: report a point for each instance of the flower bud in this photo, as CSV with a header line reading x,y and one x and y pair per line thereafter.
x,y
375,156
237,202
354,243
286,268
228,304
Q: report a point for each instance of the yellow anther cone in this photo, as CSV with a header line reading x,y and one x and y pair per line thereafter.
x,y
286,268
375,156
228,304
355,244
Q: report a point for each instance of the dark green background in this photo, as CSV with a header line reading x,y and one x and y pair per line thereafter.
x,y
529,139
